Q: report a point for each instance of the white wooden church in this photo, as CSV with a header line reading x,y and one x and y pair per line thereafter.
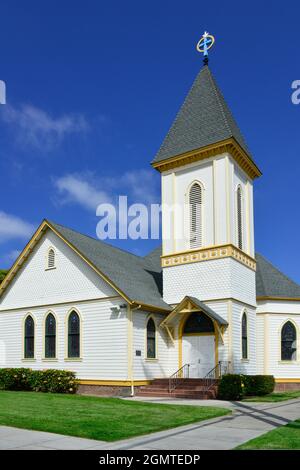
x,y
201,305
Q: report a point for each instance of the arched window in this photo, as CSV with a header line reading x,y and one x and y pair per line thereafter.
x,y
288,342
74,335
239,216
151,339
29,338
50,336
51,259
195,205
244,336
198,323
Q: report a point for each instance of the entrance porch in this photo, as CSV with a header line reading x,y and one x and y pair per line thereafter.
x,y
196,333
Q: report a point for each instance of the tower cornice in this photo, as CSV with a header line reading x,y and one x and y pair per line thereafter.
x,y
228,145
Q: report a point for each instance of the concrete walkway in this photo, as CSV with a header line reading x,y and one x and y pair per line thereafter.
x,y
247,421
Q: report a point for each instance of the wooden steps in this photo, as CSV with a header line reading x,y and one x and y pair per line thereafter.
x,y
186,388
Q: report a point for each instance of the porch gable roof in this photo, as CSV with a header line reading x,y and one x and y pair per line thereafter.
x,y
189,303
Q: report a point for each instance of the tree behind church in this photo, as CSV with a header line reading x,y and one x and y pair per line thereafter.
x,y
2,274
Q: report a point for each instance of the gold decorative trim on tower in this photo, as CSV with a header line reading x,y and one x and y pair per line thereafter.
x,y
229,145
208,254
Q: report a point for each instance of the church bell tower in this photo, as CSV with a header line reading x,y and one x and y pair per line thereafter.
x,y
207,175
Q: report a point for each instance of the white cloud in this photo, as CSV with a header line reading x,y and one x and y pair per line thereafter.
x,y
39,129
77,189
13,227
140,186
12,255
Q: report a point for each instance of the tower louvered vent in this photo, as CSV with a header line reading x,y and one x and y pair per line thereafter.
x,y
240,218
195,203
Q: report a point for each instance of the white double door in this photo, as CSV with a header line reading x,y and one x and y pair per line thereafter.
x,y
199,352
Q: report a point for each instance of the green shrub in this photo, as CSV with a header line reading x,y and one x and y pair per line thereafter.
x,y
56,381
231,387
16,379
258,385
49,380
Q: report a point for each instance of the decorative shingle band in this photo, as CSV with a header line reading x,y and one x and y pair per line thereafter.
x,y
208,254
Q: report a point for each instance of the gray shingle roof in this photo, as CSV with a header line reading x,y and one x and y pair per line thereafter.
x,y
270,282
206,309
203,119
138,278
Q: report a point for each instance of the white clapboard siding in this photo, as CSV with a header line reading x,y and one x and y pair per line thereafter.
x,y
221,308
72,278
104,339
275,366
243,366
144,368
260,344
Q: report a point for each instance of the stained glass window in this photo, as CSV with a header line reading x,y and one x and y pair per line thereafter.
x,y
29,338
74,335
50,336
151,339
288,342
244,336
198,323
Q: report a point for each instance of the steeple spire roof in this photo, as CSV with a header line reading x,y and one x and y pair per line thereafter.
x,y
203,119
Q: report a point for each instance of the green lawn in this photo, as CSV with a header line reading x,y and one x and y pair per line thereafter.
x,y
274,397
107,419
285,437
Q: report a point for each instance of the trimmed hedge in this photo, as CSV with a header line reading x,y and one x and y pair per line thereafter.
x,y
231,387
49,380
16,379
236,386
258,385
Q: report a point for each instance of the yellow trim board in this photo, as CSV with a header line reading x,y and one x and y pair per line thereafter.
x,y
150,308
289,299
22,257
29,248
228,145
73,302
101,274
120,383
208,254
130,346
279,381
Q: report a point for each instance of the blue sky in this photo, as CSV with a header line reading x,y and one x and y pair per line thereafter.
x,y
92,88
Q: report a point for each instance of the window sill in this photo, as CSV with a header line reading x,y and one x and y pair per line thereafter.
x,y
25,359
49,359
288,362
245,360
151,359
73,359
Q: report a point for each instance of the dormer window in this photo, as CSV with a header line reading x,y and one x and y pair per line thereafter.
x,y
51,259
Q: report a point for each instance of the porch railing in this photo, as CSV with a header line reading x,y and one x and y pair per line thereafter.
x,y
217,372
182,373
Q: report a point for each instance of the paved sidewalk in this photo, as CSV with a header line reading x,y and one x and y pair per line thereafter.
x,y
248,420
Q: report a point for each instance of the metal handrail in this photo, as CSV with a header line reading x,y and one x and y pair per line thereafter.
x,y
217,372
182,373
